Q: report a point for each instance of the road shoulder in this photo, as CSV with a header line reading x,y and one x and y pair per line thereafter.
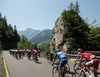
x,y
5,66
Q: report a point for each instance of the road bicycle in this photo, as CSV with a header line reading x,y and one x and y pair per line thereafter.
x,y
82,71
35,58
76,64
66,69
49,57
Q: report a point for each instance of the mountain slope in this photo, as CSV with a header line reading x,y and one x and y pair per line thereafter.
x,y
42,36
29,33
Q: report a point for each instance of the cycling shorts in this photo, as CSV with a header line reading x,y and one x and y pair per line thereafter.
x,y
93,63
63,62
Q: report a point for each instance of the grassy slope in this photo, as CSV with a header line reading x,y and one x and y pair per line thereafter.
x,y
2,66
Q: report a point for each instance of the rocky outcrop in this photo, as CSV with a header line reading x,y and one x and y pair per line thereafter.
x,y
58,35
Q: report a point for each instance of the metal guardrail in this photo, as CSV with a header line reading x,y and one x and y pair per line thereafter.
x,y
73,55
69,55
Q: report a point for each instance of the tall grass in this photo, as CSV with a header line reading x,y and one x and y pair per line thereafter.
x,y
2,66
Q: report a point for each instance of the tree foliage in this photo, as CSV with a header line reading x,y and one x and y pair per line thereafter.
x,y
8,35
45,45
74,7
24,43
94,39
78,32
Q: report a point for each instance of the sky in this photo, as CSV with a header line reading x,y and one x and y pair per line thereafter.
x,y
42,14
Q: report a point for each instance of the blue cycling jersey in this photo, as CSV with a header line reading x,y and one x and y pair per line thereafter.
x,y
61,55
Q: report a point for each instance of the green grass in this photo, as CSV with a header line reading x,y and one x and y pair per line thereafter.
x,y
42,55
3,72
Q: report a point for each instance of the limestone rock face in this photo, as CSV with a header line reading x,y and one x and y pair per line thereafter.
x,y
58,35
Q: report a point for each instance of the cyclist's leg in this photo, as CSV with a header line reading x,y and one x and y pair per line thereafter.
x,y
62,63
95,66
51,57
89,63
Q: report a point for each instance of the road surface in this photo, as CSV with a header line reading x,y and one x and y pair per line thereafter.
x,y
26,68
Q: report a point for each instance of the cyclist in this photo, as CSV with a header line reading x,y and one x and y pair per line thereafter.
x,y
29,53
63,59
48,54
91,60
78,56
51,56
35,54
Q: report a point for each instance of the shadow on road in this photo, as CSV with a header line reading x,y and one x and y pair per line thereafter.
x,y
39,62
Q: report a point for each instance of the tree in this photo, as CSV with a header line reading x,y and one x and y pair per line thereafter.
x,y
0,15
35,46
94,39
76,31
5,18
8,36
93,36
47,47
71,7
77,8
74,7
0,40
24,43
16,36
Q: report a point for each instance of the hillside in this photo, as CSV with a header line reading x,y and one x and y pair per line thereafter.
x,y
42,36
29,33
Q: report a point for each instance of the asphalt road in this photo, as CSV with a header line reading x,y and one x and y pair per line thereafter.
x,y
26,68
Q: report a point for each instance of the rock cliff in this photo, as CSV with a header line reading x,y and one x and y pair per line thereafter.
x,y
58,35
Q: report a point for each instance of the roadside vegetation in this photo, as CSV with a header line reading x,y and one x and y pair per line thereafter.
x,y
2,66
79,32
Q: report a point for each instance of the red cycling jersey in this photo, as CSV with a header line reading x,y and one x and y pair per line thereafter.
x,y
35,51
93,60
89,56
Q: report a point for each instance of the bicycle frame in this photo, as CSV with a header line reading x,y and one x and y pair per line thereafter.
x,y
86,73
65,69
55,69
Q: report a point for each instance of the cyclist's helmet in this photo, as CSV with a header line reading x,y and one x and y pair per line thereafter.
x,y
58,50
80,50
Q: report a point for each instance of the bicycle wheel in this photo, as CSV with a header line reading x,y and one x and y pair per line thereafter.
x,y
77,71
75,66
69,74
97,74
55,72
82,74
67,67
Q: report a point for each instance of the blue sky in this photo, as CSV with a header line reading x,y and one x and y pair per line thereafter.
x,y
42,14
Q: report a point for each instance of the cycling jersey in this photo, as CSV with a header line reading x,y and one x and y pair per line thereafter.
x,y
35,51
61,55
93,61
88,56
